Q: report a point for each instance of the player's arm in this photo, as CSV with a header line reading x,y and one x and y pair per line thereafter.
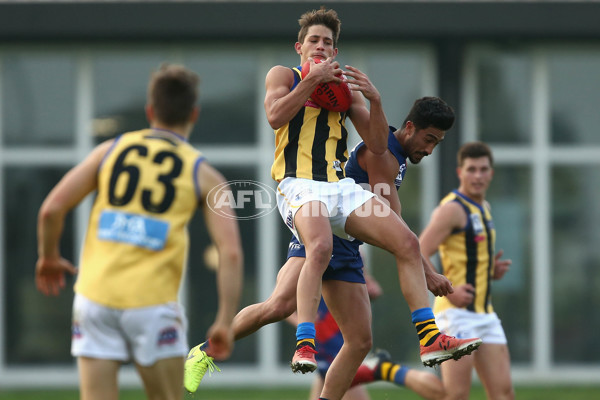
x,y
370,122
382,170
282,103
224,232
66,195
444,220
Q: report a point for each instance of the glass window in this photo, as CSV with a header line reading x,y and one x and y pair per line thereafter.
x,y
504,92
33,320
397,92
510,199
575,256
120,83
38,98
228,96
574,96
202,296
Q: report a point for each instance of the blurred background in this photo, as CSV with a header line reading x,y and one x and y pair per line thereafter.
x,y
522,76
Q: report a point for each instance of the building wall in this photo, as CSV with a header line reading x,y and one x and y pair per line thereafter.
x,y
521,76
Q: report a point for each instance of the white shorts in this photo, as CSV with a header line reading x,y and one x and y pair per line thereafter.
x,y
144,334
340,198
465,324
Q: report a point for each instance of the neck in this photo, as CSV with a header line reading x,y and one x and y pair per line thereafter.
x,y
400,136
183,131
476,198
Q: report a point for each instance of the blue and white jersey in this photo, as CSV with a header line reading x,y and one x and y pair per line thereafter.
x,y
360,176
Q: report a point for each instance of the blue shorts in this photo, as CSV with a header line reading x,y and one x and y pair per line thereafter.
x,y
346,264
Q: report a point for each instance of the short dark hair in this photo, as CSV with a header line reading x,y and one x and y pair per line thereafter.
x,y
474,150
322,16
430,111
173,92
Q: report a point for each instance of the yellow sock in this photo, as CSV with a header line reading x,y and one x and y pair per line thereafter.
x,y
427,331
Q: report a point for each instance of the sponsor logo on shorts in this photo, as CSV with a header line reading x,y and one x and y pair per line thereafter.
x,y
289,220
248,199
75,331
168,336
294,246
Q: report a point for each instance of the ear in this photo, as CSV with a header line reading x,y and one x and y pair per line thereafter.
x,y
149,113
458,172
298,47
410,128
195,114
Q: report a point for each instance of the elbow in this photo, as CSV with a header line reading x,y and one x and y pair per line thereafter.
x,y
49,212
378,150
232,256
275,122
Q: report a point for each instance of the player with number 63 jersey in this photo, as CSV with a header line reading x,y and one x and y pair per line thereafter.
x,y
136,241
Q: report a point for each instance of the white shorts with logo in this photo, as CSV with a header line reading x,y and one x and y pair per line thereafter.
x,y
145,334
465,324
340,198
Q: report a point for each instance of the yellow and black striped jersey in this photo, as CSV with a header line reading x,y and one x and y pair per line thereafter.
x,y
136,243
467,255
313,145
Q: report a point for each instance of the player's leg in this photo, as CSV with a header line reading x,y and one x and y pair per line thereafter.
x,y
280,305
375,223
492,363
98,378
97,333
380,367
162,380
425,384
350,306
157,339
356,393
316,387
456,376
312,223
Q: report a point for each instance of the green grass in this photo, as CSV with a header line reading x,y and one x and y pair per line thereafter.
x,y
522,393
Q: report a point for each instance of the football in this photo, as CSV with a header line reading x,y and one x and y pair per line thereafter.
x,y
330,95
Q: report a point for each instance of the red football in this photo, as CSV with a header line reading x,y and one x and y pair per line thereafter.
x,y
330,95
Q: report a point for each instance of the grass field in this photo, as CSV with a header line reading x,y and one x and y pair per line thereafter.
x,y
522,393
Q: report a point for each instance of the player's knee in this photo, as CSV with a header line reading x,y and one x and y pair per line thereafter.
x,y
279,309
408,247
365,346
508,393
320,252
360,343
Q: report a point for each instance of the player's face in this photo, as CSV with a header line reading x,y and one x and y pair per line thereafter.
x,y
422,142
475,176
318,43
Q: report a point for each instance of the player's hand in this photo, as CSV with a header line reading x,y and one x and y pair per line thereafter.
x,y
50,275
374,289
438,284
360,82
463,295
221,341
327,70
501,267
